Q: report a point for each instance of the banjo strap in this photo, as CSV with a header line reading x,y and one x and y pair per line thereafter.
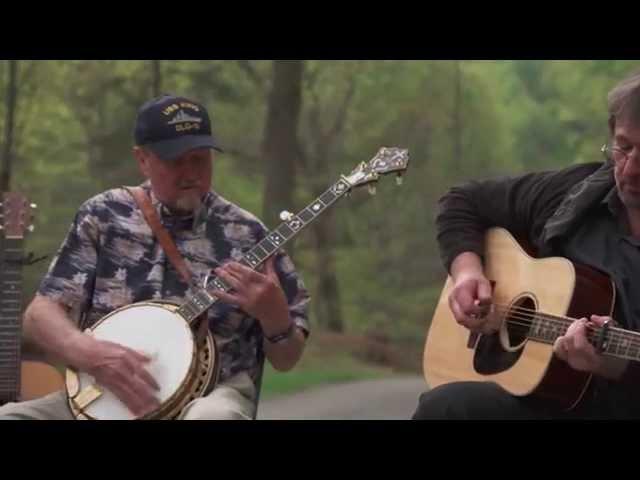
x,y
169,246
151,215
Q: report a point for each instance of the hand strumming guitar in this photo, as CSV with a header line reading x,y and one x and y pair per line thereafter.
x,y
471,297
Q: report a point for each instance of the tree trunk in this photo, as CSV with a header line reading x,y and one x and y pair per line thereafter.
x,y
157,78
457,120
7,150
327,143
280,148
327,302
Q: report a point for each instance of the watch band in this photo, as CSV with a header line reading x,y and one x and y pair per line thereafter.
x,y
281,336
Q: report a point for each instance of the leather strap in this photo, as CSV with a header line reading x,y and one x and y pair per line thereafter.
x,y
151,215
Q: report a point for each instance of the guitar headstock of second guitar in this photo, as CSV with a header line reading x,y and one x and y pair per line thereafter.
x,y
388,160
16,215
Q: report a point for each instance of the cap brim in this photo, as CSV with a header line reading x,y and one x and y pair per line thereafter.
x,y
173,148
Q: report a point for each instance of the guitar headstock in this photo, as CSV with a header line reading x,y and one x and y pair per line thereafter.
x,y
16,215
388,160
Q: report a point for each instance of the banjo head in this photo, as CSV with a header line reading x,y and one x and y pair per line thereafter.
x,y
153,329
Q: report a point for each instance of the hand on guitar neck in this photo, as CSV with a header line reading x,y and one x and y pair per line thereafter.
x,y
471,298
574,348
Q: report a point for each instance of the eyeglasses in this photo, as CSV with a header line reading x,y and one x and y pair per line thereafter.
x,y
616,154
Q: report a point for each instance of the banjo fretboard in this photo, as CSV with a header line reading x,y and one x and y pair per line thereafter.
x,y
202,299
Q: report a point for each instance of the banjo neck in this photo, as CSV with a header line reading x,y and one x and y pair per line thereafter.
x,y
199,301
387,160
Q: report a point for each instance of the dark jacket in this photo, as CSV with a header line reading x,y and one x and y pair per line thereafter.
x,y
539,207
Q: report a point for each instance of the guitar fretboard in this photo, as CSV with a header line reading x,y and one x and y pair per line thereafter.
x,y
10,324
617,342
202,299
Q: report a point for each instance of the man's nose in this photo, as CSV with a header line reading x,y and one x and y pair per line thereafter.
x,y
632,165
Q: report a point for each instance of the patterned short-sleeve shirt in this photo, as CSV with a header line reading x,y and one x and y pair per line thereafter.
x,y
110,258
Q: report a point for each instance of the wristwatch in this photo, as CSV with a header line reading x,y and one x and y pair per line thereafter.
x,y
281,336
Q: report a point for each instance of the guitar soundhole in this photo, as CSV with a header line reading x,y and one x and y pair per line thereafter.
x,y
499,352
519,320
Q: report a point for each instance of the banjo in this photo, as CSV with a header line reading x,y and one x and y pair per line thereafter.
x,y
183,364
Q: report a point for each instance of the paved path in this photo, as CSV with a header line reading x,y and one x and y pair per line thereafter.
x,y
386,399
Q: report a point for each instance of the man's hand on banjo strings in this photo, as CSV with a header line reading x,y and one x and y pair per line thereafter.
x,y
258,294
122,371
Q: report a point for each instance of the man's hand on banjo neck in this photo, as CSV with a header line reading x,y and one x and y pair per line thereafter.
x,y
260,295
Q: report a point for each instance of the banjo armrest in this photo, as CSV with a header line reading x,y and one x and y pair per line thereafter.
x,y
81,399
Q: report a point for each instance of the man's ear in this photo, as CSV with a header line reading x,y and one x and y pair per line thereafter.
x,y
143,160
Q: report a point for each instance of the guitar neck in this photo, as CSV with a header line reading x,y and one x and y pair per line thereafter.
x,y
10,324
614,341
268,246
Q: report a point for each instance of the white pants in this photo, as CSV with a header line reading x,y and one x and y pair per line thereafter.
x,y
231,400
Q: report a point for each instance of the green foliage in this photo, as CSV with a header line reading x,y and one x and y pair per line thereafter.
x,y
74,138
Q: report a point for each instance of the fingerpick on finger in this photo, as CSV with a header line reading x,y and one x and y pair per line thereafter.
x,y
457,313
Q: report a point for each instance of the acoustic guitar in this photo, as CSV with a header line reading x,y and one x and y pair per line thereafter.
x,y
536,299
19,379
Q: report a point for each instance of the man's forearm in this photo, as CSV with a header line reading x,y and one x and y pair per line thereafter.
x,y
48,326
285,354
466,263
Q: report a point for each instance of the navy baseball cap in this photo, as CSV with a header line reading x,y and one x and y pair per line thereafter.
x,y
171,125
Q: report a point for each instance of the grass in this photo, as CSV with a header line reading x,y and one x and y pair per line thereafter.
x,y
334,358
312,373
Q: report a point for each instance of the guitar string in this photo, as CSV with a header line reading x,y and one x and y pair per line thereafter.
x,y
9,354
615,335
614,338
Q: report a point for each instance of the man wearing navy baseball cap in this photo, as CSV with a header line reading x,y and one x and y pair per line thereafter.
x,y
170,126
175,150
111,259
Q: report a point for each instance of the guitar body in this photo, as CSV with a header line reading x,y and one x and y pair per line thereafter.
x,y
516,362
20,379
38,379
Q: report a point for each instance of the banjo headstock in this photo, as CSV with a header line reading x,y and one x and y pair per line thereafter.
x,y
388,160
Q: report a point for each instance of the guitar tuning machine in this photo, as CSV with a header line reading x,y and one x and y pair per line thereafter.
x,y
372,189
399,179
